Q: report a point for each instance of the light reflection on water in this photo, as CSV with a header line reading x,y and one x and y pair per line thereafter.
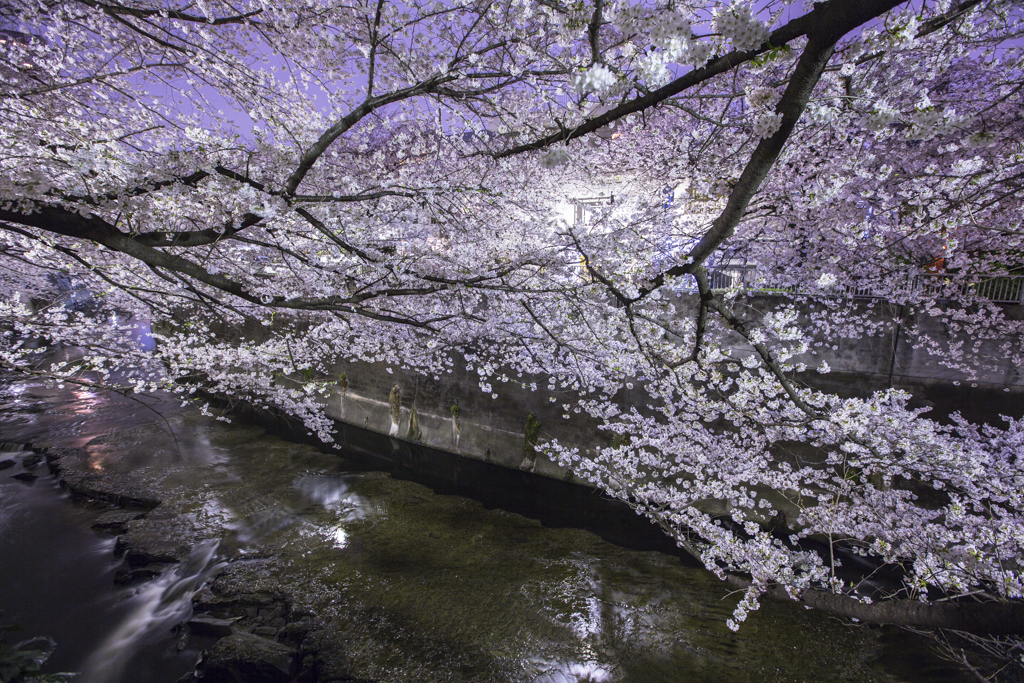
x,y
335,495
331,492
567,672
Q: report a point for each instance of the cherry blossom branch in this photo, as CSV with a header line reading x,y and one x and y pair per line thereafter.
x,y
195,238
371,104
805,77
98,78
374,43
716,304
594,32
827,17
116,8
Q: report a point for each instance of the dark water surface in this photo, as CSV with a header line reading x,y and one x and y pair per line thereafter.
x,y
405,583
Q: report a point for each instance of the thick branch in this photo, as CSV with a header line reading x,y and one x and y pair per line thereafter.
x,y
70,224
704,290
806,75
114,8
189,180
374,41
594,32
318,148
827,18
989,618
63,222
194,238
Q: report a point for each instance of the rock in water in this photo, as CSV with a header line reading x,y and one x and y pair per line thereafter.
x,y
209,626
4,464
26,477
127,575
30,461
116,520
245,658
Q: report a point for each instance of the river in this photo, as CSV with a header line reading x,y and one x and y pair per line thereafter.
x,y
391,579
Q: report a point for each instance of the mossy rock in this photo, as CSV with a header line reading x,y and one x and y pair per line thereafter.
x,y
245,658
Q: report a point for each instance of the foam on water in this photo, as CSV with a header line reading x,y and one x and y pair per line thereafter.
x,y
161,604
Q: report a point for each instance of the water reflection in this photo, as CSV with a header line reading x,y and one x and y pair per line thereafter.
x,y
333,493
56,575
259,518
73,415
567,672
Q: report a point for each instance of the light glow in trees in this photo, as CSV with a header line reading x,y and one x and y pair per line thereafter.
x,y
382,178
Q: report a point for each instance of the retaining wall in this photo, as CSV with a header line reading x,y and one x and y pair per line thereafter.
x,y
452,414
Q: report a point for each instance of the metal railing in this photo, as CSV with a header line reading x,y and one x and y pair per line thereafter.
x,y
744,277
1003,290
1006,289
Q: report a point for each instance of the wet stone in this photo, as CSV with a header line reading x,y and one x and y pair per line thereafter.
x,y
155,540
211,626
4,464
116,520
167,553
30,461
140,550
55,457
128,575
246,658
293,633
82,482
26,477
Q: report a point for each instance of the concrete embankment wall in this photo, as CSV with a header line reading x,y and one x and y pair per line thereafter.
x,y
452,414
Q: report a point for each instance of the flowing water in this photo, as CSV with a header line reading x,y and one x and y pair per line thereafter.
x,y
400,582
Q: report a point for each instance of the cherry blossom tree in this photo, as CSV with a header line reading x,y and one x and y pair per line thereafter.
x,y
272,186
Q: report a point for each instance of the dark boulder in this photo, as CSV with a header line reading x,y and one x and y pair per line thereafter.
x,y
144,545
211,626
116,521
127,575
245,658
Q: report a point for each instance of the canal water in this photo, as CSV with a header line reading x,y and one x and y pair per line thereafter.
x,y
401,581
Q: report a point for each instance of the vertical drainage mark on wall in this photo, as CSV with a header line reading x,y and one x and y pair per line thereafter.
x,y
530,434
395,401
896,343
414,425
342,387
456,430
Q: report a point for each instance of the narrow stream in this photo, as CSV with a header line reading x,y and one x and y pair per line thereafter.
x,y
400,582
57,575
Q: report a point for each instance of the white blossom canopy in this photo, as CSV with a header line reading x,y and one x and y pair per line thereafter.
x,y
383,178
